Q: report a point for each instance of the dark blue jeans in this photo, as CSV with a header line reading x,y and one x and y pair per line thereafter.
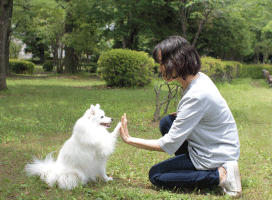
x,y
179,171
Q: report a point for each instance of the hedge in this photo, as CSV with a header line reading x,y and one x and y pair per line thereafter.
x,y
220,70
21,67
127,68
254,70
227,70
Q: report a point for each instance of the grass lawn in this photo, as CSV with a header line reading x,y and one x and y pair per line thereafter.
x,y
37,115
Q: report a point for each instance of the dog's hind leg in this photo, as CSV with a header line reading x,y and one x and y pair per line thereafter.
x,y
70,180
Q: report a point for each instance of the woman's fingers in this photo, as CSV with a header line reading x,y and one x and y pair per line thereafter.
x,y
124,130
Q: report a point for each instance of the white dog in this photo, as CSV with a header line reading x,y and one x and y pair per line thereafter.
x,y
83,157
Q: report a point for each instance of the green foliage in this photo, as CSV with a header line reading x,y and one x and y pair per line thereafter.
x,y
227,70
21,67
212,67
254,70
14,48
48,66
232,69
220,70
127,68
91,67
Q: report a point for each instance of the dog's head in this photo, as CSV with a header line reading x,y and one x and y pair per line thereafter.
x,y
96,115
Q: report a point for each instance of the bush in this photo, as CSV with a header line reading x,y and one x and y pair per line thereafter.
x,y
21,67
214,68
232,69
91,67
127,68
48,66
255,70
221,70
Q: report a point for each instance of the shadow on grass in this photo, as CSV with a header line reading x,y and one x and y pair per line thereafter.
x,y
216,190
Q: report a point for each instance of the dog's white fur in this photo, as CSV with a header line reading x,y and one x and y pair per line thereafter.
x,y
83,157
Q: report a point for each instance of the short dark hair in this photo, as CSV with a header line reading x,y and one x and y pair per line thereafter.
x,y
179,58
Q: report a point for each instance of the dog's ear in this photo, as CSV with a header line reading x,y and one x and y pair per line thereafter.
x,y
92,109
97,106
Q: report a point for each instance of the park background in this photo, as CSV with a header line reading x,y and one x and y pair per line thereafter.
x,y
44,94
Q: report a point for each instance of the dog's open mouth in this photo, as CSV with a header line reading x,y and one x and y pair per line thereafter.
x,y
106,125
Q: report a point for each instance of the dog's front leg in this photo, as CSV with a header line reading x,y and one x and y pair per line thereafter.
x,y
115,133
104,176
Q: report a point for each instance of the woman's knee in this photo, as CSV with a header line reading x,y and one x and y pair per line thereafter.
x,y
166,123
153,175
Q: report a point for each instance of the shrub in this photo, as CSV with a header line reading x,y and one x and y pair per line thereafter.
x,y
127,68
91,67
21,67
156,68
254,70
221,70
214,68
48,66
232,69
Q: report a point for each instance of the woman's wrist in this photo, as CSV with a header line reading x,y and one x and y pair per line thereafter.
x,y
129,140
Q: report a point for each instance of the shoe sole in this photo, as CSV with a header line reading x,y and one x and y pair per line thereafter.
x,y
237,179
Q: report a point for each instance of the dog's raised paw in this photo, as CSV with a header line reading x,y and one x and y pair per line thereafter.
x,y
118,127
110,179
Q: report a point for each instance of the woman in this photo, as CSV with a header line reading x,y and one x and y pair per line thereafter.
x,y
202,133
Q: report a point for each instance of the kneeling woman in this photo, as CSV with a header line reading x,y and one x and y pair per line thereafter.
x,y
202,133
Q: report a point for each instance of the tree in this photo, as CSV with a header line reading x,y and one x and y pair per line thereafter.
x,y
135,21
6,12
256,15
266,45
197,10
52,16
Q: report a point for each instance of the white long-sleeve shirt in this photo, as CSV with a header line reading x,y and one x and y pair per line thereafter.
x,y
206,122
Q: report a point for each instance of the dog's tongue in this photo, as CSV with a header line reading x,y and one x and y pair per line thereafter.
x,y
105,124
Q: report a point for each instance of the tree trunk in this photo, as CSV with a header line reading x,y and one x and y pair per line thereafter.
x,y
124,42
183,21
9,31
69,61
70,54
6,8
41,51
200,27
61,59
7,70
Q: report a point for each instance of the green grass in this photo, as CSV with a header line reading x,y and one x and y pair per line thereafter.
x,y
37,115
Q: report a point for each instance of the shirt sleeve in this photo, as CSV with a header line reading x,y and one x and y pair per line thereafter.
x,y
189,113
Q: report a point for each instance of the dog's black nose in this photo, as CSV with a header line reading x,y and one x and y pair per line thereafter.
x,y
111,119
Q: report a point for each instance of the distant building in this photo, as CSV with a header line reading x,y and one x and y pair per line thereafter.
x,y
22,54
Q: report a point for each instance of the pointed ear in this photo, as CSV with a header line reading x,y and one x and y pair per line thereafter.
x,y
92,108
97,106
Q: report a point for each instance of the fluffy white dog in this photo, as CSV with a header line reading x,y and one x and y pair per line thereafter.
x,y
83,157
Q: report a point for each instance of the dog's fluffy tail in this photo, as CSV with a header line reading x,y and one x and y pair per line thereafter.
x,y
40,167
51,173
43,168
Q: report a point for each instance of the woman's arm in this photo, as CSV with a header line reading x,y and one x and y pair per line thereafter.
x,y
151,145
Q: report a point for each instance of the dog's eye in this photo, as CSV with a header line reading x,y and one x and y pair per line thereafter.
x,y
102,117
